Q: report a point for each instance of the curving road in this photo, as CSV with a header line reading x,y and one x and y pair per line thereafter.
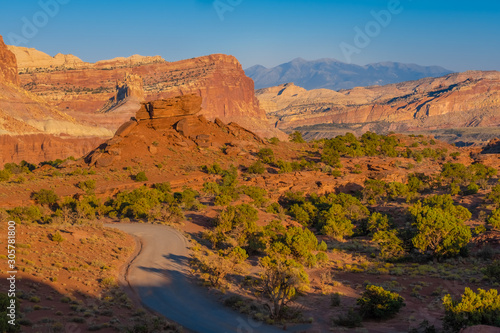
x,y
159,275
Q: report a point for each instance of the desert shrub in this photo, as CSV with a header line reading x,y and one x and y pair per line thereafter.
x,y
211,188
374,191
163,187
472,188
391,246
141,177
45,197
274,140
296,137
299,214
481,308
223,200
335,299
188,199
280,282
235,222
23,167
351,319
492,271
284,166
257,168
5,175
57,237
300,241
88,185
266,155
377,222
494,195
137,203
214,169
494,219
258,194
29,214
440,226
378,303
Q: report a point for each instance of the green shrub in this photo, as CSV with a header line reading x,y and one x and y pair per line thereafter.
x,y
266,155
481,308
351,319
473,188
88,185
257,168
378,303
440,226
57,237
45,197
5,175
494,219
335,299
28,214
391,246
141,177
492,271
296,137
274,140
223,200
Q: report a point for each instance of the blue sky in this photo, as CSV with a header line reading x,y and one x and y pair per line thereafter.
x,y
459,35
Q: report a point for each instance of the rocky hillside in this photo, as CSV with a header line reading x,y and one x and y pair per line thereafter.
x,y
462,100
111,95
334,74
30,128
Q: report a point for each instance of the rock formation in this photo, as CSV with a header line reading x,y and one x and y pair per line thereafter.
x,y
470,99
167,124
32,60
8,66
33,130
227,93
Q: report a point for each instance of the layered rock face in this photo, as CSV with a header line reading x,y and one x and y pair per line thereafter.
x,y
29,59
164,124
8,65
470,99
226,91
33,130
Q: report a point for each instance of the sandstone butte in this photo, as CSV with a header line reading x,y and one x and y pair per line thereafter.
x,y
469,99
116,90
173,123
33,130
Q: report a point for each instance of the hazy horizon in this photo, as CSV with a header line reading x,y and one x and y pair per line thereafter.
x,y
458,36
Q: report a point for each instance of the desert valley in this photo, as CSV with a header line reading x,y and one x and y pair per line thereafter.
x,y
157,196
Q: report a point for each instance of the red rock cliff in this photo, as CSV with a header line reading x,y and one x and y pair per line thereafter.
x,y
219,79
8,65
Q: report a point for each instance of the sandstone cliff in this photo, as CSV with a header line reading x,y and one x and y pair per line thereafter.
x,y
8,66
33,130
470,99
226,91
32,60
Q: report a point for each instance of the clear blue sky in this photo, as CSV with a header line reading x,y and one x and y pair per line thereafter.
x,y
459,35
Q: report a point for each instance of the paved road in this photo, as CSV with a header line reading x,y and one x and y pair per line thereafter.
x,y
159,276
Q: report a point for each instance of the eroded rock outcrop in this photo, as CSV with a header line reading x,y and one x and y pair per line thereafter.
x,y
174,123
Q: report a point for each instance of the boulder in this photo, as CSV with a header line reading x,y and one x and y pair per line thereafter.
x,y
126,128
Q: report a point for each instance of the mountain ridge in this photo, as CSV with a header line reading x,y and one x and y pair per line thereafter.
x,y
333,74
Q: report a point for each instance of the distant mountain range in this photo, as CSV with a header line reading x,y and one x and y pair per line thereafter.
x,y
337,75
